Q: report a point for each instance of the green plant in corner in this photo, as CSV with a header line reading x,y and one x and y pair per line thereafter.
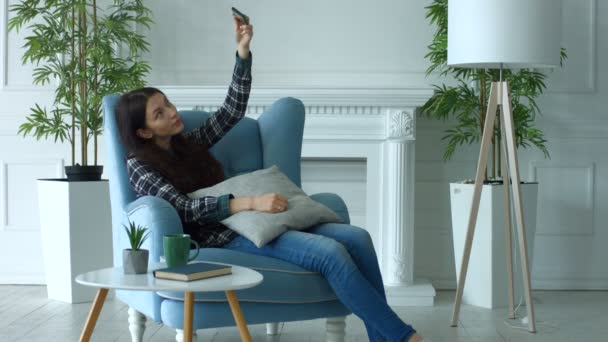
x,y
137,235
466,102
74,44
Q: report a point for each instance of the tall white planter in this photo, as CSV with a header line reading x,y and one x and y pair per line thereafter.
x,y
486,284
76,232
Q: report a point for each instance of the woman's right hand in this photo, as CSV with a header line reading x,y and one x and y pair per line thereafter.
x,y
244,33
270,203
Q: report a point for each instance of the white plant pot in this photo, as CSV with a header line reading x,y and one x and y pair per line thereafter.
x,y
76,232
486,284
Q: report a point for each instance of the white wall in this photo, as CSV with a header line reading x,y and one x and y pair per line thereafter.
x,y
344,45
296,43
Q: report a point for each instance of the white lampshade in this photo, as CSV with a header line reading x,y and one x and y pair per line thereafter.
x,y
516,33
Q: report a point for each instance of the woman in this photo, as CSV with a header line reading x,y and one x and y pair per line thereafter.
x,y
167,163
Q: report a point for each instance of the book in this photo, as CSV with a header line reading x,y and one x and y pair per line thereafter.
x,y
193,271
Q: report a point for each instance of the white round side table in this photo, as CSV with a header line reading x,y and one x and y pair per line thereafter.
x,y
114,278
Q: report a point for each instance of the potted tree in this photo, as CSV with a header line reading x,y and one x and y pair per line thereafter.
x,y
135,259
464,103
75,47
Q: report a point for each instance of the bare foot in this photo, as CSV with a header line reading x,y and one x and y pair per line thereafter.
x,y
415,338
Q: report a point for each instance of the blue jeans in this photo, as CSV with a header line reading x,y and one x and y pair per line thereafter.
x,y
345,256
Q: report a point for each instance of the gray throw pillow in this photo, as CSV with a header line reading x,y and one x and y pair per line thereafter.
x,y
262,227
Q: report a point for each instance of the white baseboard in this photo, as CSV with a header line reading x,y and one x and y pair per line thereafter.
x,y
570,284
17,279
421,293
542,284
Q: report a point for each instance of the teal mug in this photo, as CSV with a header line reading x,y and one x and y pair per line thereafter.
x,y
177,249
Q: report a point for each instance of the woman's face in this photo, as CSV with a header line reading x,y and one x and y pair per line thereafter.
x,y
162,120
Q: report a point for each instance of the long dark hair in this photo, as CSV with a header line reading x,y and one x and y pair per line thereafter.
x,y
189,166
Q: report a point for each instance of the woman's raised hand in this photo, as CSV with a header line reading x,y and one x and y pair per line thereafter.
x,y
271,203
244,33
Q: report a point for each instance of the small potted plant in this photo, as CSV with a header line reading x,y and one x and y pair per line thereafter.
x,y
135,260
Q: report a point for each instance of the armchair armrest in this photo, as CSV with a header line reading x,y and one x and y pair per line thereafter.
x,y
159,216
333,202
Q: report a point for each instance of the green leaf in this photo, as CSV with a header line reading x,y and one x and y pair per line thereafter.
x,y
137,234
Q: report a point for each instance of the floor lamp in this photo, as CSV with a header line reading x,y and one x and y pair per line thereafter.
x,y
497,34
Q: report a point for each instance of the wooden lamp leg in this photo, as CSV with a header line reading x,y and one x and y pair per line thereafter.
x,y
509,134
488,132
509,241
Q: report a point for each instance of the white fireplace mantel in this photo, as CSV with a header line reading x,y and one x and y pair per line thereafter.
x,y
372,124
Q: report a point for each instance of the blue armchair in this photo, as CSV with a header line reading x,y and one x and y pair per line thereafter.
x,y
288,292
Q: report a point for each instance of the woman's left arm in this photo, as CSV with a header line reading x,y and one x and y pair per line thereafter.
x,y
235,104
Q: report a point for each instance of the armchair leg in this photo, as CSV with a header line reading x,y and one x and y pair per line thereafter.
x,y
272,328
179,336
336,329
137,325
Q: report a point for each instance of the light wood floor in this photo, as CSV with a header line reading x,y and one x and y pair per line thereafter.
x,y
27,315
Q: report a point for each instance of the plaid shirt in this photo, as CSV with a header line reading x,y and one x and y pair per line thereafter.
x,y
200,216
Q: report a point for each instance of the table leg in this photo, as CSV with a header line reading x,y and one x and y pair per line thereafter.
x,y
89,326
188,315
238,316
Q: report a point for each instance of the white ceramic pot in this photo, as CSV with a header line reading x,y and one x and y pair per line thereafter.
x,y
486,284
76,233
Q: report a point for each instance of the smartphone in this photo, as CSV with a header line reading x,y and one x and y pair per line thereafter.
x,y
239,15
